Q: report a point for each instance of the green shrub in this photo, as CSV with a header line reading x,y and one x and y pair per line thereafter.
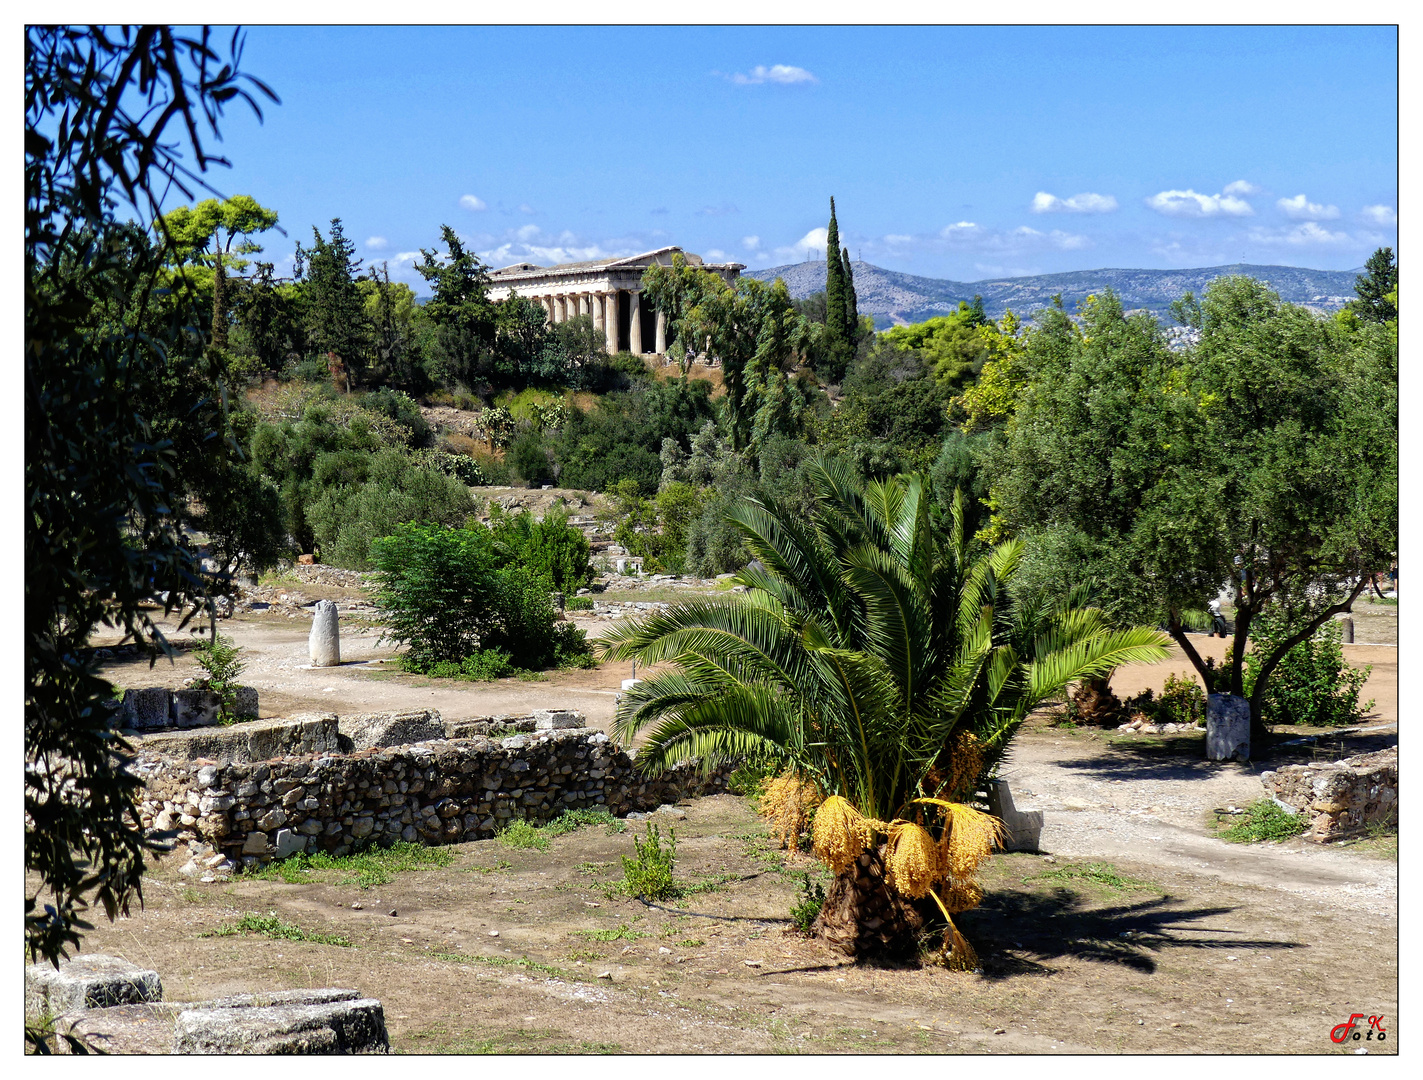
x,y
746,778
461,466
549,547
649,875
221,659
442,592
1182,701
578,603
528,459
1264,819
521,834
495,470
812,899
1313,684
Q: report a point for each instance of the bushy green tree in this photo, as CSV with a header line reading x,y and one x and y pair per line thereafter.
x,y
335,310
216,235
1377,288
548,547
104,536
1312,683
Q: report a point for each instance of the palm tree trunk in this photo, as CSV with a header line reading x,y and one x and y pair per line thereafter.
x,y
864,918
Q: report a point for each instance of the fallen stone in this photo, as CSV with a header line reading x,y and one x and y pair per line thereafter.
x,y
121,1029
557,719
88,981
194,708
148,709
287,843
253,740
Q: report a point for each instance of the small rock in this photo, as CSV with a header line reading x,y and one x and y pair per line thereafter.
x,y
1000,1031
492,933
664,950
1049,858
189,868
606,975
589,903
391,912
752,963
357,906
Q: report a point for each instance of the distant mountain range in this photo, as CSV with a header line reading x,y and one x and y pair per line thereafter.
x,y
894,298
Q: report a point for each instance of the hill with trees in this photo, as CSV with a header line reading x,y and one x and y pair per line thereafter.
x,y
896,299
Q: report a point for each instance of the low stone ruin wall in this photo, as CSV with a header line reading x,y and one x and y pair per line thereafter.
x,y
156,708
436,792
1339,798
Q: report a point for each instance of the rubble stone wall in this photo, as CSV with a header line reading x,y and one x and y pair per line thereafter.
x,y
437,792
1339,798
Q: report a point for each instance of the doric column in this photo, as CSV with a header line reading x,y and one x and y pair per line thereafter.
x,y
661,332
597,303
635,321
561,306
610,319
583,303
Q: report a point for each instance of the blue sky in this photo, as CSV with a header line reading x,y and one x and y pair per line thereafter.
x,y
956,152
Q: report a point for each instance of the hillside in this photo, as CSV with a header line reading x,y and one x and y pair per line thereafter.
x,y
892,297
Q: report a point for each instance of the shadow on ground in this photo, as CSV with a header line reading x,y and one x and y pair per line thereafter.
x,y
1019,933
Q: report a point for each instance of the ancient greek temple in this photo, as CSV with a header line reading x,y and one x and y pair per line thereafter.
x,y
610,290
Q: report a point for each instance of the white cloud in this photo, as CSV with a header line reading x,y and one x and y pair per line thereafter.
x,y
815,240
751,243
527,232
1242,187
961,229
718,211
715,253
1380,214
898,238
1086,203
525,208
1190,203
785,74
403,257
1300,207
1307,234
472,202
376,243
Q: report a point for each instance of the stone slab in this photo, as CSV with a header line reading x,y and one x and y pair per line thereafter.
x,y
122,1029
253,740
194,708
1025,827
88,981
363,731
346,1026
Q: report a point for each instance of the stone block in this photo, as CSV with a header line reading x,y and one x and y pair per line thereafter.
x,y
557,719
1227,728
391,728
149,709
255,844
244,704
88,981
324,644
350,1026
122,1029
1025,827
288,843
194,708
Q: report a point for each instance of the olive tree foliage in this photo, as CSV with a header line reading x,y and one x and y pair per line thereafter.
x,y
113,117
1263,460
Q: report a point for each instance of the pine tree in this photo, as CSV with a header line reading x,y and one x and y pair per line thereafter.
x,y
1380,278
834,285
337,311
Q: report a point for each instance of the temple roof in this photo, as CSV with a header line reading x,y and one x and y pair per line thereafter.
x,y
647,258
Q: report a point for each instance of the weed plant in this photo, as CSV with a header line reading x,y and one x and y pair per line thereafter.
x,y
1099,873
521,834
812,899
649,875
1264,819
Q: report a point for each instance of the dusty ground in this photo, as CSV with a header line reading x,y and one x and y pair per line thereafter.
x,y
1182,943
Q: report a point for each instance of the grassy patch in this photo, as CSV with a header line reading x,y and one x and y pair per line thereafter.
x,y
1099,873
622,933
495,961
272,926
377,866
521,834
498,868
1263,819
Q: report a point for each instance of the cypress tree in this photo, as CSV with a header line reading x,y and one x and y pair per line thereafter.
x,y
852,306
834,283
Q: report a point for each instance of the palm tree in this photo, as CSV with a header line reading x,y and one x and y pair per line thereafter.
x,y
886,671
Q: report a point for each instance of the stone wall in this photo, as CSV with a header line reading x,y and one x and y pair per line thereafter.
x,y
437,792
1339,798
